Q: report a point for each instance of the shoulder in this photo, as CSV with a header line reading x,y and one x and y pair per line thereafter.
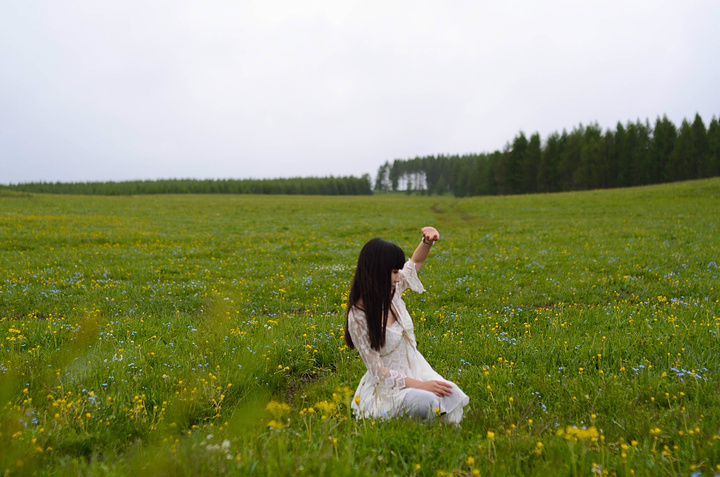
x,y
356,313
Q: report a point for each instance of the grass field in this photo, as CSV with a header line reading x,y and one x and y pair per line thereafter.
x,y
202,335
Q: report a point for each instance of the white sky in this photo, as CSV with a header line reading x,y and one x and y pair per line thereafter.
x,y
136,89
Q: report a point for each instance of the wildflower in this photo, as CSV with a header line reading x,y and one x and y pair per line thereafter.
x,y
275,424
470,460
490,435
277,409
573,433
326,407
539,449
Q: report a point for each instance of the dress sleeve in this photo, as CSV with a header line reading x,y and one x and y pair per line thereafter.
x,y
409,279
385,379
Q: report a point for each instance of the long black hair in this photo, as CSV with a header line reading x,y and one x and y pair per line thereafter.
x,y
372,287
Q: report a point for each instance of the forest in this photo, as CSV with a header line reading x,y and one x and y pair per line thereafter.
x,y
348,185
632,154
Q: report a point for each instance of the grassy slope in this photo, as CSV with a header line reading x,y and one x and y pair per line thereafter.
x,y
135,327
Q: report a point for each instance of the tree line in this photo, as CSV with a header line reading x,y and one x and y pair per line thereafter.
x,y
632,154
348,185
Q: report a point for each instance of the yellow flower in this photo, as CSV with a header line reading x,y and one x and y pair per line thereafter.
x,y
573,433
275,424
490,435
277,409
470,460
326,407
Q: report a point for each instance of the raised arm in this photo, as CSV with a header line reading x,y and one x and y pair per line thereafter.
x,y
430,236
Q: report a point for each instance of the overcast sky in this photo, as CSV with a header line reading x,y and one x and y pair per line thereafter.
x,y
136,89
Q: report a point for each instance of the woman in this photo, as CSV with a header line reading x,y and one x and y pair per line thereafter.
x,y
399,381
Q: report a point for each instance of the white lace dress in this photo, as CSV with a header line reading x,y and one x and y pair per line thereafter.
x,y
382,390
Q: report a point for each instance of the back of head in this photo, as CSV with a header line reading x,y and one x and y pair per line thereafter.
x,y
372,286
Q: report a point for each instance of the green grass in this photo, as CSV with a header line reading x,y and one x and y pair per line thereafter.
x,y
148,334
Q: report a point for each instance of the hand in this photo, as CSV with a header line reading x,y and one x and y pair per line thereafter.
x,y
439,388
430,234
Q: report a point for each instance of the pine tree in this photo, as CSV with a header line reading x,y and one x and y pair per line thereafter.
x,y
547,178
516,164
533,155
570,158
699,161
587,175
679,166
714,148
661,146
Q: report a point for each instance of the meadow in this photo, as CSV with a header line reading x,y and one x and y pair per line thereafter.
x,y
203,334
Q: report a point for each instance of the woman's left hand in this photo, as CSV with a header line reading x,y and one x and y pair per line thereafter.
x,y
430,234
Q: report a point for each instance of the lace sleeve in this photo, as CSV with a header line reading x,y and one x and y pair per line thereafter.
x,y
385,379
409,279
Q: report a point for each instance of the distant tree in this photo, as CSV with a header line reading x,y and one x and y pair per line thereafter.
x,y
395,173
699,161
501,171
516,165
606,171
547,177
679,166
382,181
622,148
570,158
486,168
714,148
533,156
661,146
630,154
588,174
642,168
